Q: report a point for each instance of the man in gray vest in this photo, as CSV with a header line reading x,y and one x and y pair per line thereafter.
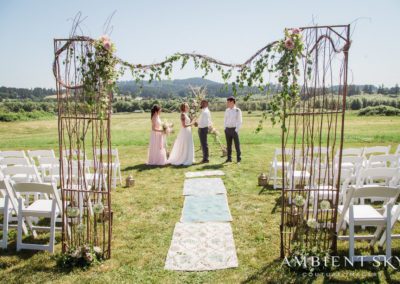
x,y
232,124
204,122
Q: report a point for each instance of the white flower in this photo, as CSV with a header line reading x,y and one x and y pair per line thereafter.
x,y
325,204
72,212
80,228
97,250
98,208
77,253
312,223
299,201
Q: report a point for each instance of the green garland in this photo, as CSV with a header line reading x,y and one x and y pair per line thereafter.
x,y
100,72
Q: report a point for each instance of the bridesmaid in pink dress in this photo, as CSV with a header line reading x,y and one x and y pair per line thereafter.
x,y
157,154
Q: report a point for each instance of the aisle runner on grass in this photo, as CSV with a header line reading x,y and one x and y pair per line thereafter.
x,y
204,186
201,246
203,240
204,174
208,208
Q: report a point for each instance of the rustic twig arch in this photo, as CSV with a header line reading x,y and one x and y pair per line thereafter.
x,y
84,120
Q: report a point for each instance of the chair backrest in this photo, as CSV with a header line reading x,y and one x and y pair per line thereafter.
x,y
15,154
6,186
15,161
74,154
377,150
114,153
36,154
390,161
46,188
369,175
398,150
350,152
49,161
28,171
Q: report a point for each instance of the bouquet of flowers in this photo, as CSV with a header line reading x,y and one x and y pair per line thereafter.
x,y
199,94
167,127
215,133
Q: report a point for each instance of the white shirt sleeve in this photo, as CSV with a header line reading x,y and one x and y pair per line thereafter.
x,y
225,118
238,120
209,118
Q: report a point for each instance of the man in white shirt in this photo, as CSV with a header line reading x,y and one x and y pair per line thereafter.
x,y
232,124
204,122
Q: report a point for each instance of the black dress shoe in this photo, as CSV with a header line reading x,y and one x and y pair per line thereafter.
x,y
228,161
205,161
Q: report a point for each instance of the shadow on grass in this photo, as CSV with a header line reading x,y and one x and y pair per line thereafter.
x,y
275,273
266,188
212,167
142,167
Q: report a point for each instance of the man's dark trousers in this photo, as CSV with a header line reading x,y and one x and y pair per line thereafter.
x,y
231,134
203,132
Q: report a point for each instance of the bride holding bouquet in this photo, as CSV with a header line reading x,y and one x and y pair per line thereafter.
x,y
182,152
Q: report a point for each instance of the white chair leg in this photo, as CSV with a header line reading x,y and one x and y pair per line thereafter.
x,y
6,215
275,177
351,232
389,232
20,220
52,226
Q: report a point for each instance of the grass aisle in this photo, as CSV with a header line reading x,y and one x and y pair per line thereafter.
x,y
145,215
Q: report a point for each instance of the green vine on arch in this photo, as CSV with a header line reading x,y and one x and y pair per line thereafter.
x,y
103,68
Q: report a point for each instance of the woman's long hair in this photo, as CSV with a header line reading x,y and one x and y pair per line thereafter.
x,y
154,110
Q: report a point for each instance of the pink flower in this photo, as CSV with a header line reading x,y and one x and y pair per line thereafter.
x,y
296,31
289,44
107,45
104,38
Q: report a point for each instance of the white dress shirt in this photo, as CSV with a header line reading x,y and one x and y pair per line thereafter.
x,y
205,118
233,118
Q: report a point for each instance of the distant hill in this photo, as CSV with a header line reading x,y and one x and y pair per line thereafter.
x,y
165,89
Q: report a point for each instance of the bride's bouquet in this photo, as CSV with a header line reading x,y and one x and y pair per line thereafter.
x,y
167,127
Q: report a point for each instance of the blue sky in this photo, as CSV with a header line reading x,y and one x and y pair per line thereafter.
x,y
148,31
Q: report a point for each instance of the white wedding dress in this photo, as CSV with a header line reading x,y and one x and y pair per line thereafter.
x,y
182,152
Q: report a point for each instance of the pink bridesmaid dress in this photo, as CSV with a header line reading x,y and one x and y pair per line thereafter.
x,y
157,154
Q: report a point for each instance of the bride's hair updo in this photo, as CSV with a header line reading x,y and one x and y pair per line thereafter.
x,y
183,106
154,110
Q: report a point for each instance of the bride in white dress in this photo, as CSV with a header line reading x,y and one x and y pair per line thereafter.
x,y
182,152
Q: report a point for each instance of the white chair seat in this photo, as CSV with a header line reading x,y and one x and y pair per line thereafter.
x,y
39,208
347,165
364,214
299,174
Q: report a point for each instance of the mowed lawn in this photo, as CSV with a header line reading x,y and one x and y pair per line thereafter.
x,y
145,215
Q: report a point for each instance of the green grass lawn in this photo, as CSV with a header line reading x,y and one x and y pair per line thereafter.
x,y
145,215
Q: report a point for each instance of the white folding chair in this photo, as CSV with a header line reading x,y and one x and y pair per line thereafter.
x,y
22,173
366,215
350,152
34,155
42,208
9,209
50,169
115,164
382,161
11,161
377,150
276,165
12,154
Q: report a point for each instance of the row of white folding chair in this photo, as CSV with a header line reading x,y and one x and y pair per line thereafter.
x,y
9,210
115,164
12,154
35,155
365,151
352,215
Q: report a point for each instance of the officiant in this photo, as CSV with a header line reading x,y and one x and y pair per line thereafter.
x,y
232,124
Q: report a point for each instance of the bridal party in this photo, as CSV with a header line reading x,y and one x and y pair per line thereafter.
x,y
183,148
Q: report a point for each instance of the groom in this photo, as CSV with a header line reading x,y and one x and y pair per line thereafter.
x,y
203,123
232,124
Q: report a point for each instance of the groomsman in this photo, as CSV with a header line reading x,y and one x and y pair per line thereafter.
x,y
203,123
232,124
